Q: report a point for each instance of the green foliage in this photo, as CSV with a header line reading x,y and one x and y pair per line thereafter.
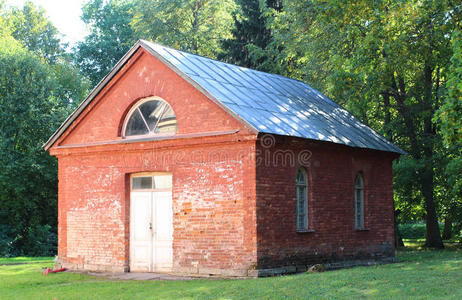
x,y
416,231
251,35
36,95
408,197
449,117
31,27
387,62
197,26
39,240
33,102
413,230
110,36
6,240
450,112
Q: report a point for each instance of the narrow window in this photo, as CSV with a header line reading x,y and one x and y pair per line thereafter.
x,y
302,200
359,202
150,117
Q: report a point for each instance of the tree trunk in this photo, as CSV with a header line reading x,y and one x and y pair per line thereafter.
x,y
387,121
433,236
447,231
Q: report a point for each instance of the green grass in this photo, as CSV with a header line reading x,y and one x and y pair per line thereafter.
x,y
419,274
23,260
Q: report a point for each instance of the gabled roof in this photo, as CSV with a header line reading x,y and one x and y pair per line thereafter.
x,y
264,102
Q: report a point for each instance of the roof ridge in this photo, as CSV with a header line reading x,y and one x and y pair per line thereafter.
x,y
353,130
225,63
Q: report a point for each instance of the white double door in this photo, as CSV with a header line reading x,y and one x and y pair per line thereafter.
x,y
151,227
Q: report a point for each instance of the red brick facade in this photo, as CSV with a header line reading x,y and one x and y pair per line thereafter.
x,y
233,196
331,234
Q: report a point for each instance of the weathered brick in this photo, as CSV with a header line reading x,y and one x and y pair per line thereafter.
x,y
233,199
331,170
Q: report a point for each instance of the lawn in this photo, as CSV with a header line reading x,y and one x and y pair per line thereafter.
x,y
419,274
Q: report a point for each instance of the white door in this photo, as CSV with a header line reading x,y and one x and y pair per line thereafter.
x,y
151,226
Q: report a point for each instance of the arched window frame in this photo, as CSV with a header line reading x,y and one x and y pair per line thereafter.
x,y
301,203
359,201
136,107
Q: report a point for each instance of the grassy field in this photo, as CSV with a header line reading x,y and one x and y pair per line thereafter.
x,y
419,274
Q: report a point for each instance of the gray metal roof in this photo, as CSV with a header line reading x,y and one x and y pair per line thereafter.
x,y
275,104
266,103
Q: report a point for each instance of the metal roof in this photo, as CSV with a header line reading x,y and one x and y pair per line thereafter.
x,y
275,104
267,103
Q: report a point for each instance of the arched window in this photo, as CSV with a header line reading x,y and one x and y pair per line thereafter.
x,y
150,116
301,190
359,202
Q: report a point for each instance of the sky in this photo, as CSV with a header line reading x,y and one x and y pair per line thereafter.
x,y
65,16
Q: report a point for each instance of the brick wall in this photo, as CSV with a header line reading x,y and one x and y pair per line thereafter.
x,y
331,170
213,205
233,197
213,177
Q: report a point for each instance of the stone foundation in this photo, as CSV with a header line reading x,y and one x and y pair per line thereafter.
x,y
205,272
90,267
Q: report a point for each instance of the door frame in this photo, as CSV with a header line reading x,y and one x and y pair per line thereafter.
x,y
152,189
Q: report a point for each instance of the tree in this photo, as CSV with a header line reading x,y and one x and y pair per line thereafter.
x,y
35,97
4,28
197,26
449,117
31,27
110,37
251,34
387,62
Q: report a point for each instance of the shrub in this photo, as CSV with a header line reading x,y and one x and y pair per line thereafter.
x,y
412,230
417,230
5,240
38,240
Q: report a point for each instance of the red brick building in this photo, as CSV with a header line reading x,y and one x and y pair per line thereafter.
x,y
179,163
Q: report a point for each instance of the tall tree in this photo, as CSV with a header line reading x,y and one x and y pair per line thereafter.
x,y
197,26
31,27
450,120
110,36
387,61
35,97
251,34
4,28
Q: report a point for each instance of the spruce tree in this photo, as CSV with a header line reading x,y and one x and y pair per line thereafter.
x,y
250,31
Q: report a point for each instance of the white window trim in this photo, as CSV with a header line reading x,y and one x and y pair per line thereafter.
x,y
132,110
305,185
152,175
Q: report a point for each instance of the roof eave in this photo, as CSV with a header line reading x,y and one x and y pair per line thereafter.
x,y
96,90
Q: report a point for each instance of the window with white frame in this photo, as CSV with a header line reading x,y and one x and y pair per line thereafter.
x,y
359,201
151,116
301,190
